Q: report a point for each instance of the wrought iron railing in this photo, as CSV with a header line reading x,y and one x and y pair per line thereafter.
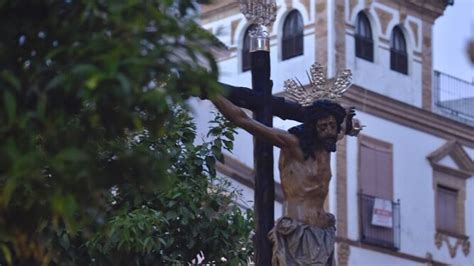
x,y
377,233
453,97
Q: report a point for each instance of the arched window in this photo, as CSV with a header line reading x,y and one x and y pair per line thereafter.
x,y
398,52
292,41
246,50
363,38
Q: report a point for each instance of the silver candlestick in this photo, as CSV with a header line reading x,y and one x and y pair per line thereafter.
x,y
261,13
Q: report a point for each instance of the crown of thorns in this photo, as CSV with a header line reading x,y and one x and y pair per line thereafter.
x,y
319,87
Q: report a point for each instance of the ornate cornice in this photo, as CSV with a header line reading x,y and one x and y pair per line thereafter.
x,y
405,114
425,9
387,108
458,154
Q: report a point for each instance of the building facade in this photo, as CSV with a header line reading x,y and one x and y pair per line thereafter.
x,y
403,191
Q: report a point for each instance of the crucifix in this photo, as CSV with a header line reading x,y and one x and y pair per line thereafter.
x,y
305,235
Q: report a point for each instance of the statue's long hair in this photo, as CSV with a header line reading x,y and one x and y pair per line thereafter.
x,y
306,132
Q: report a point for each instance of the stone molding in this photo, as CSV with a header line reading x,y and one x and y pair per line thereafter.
x,y
321,33
218,10
414,28
233,30
427,71
341,188
429,10
410,116
340,35
389,252
407,115
461,242
306,4
454,178
453,149
343,253
385,18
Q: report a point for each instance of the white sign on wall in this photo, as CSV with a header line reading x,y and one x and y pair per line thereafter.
x,y
382,214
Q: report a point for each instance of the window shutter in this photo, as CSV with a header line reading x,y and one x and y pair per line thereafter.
x,y
446,209
376,171
368,171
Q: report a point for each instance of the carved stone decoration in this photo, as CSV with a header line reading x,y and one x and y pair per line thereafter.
x,y
307,5
352,5
454,149
368,3
233,28
466,247
403,14
384,18
343,253
464,243
414,29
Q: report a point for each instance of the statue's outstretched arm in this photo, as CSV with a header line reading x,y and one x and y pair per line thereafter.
x,y
277,137
351,126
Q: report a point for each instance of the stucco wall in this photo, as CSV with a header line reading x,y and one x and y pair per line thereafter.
x,y
413,185
377,75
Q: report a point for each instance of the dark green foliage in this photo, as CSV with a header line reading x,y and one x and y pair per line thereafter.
x,y
197,215
78,80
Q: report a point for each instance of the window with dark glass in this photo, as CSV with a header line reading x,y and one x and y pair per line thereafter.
x,y
398,52
292,41
363,38
246,50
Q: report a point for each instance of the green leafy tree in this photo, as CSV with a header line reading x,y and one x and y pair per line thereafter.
x,y
196,216
78,80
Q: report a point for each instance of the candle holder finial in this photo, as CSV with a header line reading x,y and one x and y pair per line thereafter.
x,y
262,14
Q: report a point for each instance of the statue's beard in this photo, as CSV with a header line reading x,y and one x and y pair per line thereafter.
x,y
329,144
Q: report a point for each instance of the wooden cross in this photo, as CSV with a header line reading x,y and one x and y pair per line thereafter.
x,y
264,107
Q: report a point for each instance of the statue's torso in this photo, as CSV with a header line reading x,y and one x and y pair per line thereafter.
x,y
305,185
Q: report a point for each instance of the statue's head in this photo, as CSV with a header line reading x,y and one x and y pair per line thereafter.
x,y
323,116
326,118
322,124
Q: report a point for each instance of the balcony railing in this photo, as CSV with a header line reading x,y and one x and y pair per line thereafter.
x,y
453,97
378,225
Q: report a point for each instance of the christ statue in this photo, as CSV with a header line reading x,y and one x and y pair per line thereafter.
x,y
305,235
